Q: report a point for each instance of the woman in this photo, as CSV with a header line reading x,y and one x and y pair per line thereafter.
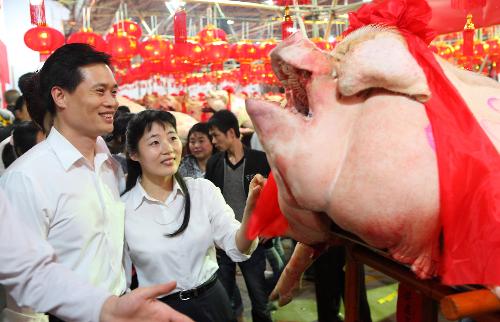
x,y
172,224
200,149
25,135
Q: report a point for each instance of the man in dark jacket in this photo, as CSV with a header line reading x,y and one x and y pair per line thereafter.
x,y
231,170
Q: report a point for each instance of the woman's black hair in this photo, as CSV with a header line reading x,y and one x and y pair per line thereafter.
x,y
136,128
61,69
24,137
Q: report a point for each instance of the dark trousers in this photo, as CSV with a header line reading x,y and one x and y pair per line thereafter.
x,y
329,279
253,273
212,306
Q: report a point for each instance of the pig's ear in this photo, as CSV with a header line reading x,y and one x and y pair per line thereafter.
x,y
379,59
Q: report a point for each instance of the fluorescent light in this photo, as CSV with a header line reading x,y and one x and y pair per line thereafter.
x,y
230,22
269,2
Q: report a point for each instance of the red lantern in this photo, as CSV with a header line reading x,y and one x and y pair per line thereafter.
x,y
211,34
128,26
467,4
44,40
244,51
188,52
216,53
155,49
88,37
287,24
265,48
122,46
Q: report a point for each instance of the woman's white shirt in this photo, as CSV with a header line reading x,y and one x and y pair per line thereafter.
x,y
189,258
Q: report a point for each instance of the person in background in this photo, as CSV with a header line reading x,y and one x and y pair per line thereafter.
x,y
172,224
33,278
231,170
116,140
200,149
10,96
25,135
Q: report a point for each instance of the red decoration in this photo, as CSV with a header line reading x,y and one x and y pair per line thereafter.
x,y
44,40
155,49
130,27
244,51
467,4
290,2
37,13
323,45
216,53
287,24
188,52
468,37
122,46
211,34
468,162
88,37
180,29
265,48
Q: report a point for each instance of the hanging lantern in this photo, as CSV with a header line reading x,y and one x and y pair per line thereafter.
x,y
44,40
180,28
211,34
128,26
287,24
88,37
244,51
265,48
468,34
188,52
155,49
122,46
216,53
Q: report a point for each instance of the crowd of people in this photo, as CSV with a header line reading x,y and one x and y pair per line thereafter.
x,y
97,201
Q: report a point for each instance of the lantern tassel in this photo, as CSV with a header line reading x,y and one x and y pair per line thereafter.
x,y
37,13
180,28
468,34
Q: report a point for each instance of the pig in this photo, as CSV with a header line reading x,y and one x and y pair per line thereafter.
x,y
221,99
354,144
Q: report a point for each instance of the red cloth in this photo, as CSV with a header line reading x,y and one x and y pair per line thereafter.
x,y
468,163
267,220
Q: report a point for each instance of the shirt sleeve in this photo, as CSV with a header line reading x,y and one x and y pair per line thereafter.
x,y
224,225
34,280
28,200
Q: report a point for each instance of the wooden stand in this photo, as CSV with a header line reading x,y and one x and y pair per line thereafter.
x,y
483,306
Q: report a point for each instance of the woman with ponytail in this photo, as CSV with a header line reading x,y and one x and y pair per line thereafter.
x,y
172,224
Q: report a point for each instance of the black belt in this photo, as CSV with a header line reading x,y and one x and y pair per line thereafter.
x,y
192,293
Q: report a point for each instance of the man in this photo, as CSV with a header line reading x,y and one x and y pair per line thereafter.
x,y
10,96
33,279
231,170
67,188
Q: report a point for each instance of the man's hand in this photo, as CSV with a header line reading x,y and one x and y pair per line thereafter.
x,y
141,305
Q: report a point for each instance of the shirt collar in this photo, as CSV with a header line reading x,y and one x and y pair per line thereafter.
x,y
68,154
139,194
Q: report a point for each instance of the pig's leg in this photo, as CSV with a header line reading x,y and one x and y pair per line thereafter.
x,y
303,256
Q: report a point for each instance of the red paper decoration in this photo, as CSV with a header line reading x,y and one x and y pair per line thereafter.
x,y
122,46
211,34
180,29
130,27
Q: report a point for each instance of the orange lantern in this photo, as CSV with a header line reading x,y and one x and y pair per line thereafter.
x,y
122,46
88,37
155,49
44,40
211,34
128,26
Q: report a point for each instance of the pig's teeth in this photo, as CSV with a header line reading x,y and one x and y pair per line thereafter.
x,y
334,73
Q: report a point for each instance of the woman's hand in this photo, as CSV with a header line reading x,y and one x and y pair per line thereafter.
x,y
256,185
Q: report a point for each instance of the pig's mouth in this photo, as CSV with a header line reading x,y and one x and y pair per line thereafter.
x,y
295,81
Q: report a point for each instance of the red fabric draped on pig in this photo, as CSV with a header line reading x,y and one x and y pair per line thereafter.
x,y
386,139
